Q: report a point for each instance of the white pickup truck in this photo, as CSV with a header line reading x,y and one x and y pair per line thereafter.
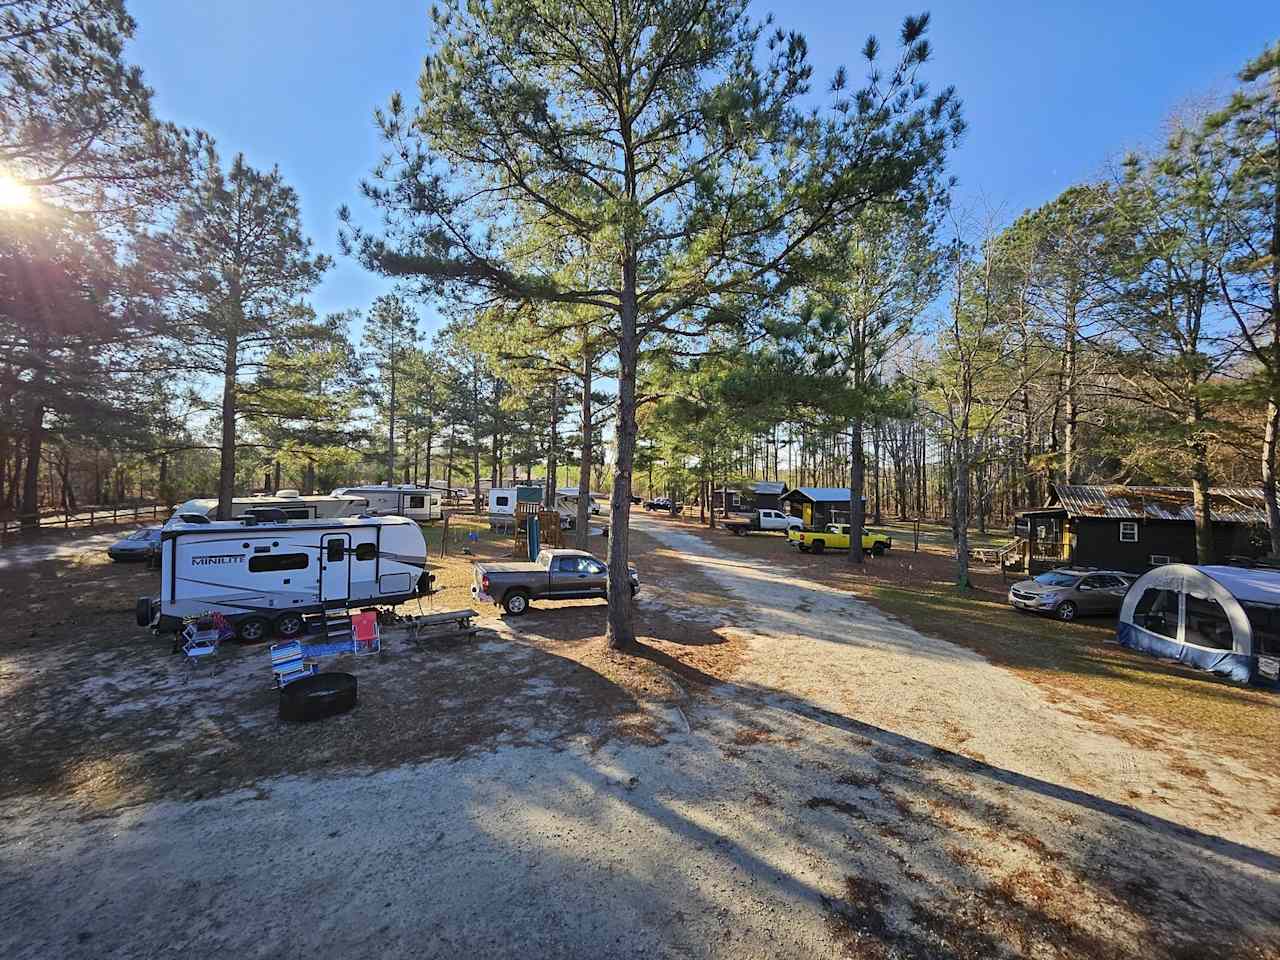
x,y
764,520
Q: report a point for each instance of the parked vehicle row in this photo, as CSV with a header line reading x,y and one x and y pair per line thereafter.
x,y
763,520
661,503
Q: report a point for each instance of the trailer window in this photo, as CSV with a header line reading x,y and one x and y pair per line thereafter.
x,y
501,501
297,514
335,549
416,503
271,562
366,551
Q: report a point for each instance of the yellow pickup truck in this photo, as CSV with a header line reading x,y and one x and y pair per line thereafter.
x,y
836,537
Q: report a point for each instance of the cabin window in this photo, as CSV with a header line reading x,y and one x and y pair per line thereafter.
x,y
335,550
273,562
1157,611
502,501
1128,532
417,503
366,551
1207,624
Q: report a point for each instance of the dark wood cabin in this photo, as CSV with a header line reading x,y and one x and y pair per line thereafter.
x,y
1136,528
759,495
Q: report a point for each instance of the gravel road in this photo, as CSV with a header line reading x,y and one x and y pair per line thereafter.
x,y
857,789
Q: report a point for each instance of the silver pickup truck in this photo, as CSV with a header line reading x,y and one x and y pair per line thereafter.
x,y
557,575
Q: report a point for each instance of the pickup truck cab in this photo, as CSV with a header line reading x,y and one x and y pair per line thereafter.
x,y
763,520
836,537
555,575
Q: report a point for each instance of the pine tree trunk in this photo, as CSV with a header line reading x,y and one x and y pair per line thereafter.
x,y
227,463
30,504
620,634
1269,443
857,480
1070,440
550,489
960,514
391,422
583,531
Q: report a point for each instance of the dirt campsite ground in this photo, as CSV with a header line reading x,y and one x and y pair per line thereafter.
x,y
785,771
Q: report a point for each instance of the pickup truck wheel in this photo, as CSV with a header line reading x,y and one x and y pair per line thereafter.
x,y
878,549
516,603
804,547
818,546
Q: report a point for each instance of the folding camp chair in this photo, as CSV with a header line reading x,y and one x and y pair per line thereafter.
x,y
366,637
200,639
288,664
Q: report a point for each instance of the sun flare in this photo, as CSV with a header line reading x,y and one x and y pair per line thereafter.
x,y
14,194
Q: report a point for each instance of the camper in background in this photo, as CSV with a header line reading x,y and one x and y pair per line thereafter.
x,y
295,506
399,500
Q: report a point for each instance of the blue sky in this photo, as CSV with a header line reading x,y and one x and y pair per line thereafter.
x,y
1052,91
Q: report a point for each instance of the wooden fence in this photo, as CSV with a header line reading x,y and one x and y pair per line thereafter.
x,y
104,516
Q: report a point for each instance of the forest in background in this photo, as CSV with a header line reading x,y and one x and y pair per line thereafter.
x,y
695,282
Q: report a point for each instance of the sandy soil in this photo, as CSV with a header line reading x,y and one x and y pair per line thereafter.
x,y
799,777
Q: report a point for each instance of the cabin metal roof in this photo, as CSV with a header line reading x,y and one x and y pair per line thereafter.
x,y
822,494
767,486
1116,502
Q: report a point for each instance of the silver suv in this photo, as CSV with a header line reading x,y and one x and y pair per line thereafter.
x,y
1068,594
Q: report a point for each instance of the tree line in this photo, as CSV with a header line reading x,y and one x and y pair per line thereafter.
x,y
666,258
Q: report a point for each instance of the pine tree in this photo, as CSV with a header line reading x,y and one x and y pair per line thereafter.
x,y
671,144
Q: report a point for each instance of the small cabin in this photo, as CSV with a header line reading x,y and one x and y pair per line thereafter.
x,y
819,506
1136,528
758,495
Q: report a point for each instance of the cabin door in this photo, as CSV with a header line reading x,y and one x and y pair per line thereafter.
x,y
335,567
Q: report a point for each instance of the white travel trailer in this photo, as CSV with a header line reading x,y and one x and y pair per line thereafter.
x,y
400,500
265,577
503,500
567,502
295,506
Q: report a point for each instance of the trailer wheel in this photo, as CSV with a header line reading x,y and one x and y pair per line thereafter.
x,y
819,546
143,612
252,630
516,602
290,625
317,696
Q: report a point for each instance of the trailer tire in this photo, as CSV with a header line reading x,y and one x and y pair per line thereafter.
x,y
317,696
819,546
516,602
290,625
253,630
143,611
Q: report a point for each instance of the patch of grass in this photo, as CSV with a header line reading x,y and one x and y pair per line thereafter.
x,y
1081,660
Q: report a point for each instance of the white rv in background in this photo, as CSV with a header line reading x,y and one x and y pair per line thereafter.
x,y
399,500
295,506
265,577
567,502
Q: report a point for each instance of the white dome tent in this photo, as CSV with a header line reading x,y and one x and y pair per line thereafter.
x,y
1222,619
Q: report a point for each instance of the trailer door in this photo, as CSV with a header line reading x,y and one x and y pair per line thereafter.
x,y
335,567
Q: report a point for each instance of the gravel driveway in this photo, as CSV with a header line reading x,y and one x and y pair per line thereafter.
x,y
856,789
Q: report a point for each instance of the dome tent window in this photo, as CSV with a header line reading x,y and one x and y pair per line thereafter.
x,y
1207,624
1157,611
